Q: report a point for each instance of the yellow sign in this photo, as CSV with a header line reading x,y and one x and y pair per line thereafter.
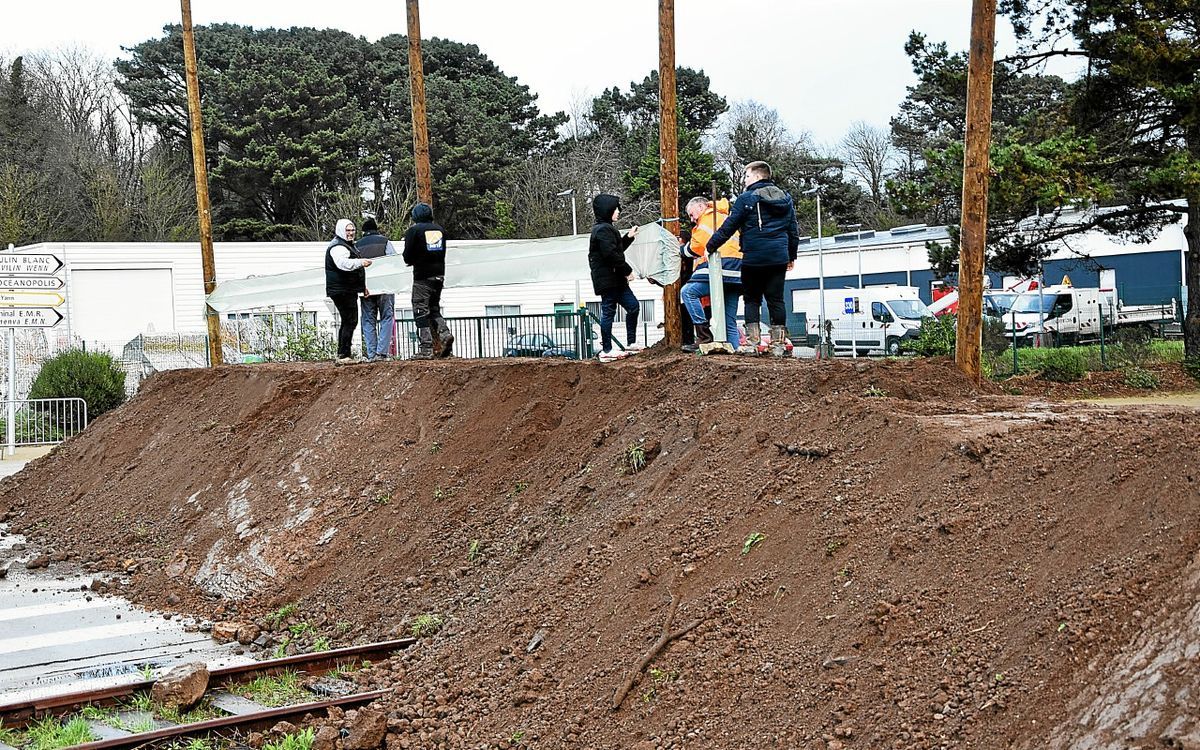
x,y
1066,280
21,298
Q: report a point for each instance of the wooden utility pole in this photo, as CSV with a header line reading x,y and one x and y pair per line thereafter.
x,y
668,159
200,168
416,87
976,173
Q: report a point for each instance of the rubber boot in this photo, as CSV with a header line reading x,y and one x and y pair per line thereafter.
x,y
425,347
778,341
753,336
445,340
704,335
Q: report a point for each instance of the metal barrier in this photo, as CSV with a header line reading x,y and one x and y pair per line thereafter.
x,y
42,421
562,334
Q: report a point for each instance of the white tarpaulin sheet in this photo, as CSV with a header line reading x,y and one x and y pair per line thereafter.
x,y
653,255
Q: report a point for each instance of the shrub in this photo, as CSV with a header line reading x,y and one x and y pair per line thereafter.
x,y
936,337
1191,366
94,377
1137,377
1133,348
1063,366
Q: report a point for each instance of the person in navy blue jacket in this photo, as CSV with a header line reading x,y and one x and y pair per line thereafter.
x,y
766,217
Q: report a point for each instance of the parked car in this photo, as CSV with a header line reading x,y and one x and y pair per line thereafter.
x,y
536,345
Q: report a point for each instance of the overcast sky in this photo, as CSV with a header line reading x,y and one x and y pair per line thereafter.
x,y
823,64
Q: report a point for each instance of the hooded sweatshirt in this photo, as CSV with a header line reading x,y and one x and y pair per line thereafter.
x,y
425,245
766,217
606,248
344,272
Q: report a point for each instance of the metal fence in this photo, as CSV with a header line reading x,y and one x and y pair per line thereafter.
x,y
42,421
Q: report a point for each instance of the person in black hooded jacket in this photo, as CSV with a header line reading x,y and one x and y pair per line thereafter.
x,y
611,274
425,251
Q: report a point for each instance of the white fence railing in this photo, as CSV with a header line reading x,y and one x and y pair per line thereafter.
x,y
41,421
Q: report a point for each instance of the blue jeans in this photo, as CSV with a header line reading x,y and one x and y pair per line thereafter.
x,y
608,313
698,287
378,312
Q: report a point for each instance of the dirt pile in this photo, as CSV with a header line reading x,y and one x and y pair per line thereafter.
x,y
873,554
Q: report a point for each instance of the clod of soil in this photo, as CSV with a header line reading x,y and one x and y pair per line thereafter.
x,y
873,554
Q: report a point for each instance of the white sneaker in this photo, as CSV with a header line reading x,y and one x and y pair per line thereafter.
x,y
612,356
347,361
634,348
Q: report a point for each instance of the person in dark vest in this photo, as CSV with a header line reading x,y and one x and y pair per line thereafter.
x,y
378,310
345,279
425,251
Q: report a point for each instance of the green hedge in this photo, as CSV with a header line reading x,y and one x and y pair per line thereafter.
x,y
94,377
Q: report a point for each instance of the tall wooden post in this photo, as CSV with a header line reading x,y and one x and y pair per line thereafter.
x,y
200,168
668,158
976,174
416,87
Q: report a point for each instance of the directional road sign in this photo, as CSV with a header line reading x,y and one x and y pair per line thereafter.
x,y
29,317
30,299
29,264
30,283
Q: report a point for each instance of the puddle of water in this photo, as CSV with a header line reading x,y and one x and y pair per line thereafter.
x,y
1190,400
57,636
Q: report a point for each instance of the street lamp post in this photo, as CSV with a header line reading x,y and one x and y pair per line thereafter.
x,y
820,272
574,218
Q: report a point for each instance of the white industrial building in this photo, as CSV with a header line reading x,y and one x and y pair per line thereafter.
x,y
116,291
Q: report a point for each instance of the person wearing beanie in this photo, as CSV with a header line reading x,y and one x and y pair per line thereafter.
x,y
345,279
378,310
425,251
611,274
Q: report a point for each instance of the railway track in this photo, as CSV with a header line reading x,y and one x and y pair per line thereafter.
x,y
116,718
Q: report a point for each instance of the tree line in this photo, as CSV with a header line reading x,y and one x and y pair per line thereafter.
x,y
305,125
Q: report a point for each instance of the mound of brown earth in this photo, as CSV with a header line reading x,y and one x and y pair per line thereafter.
x,y
829,554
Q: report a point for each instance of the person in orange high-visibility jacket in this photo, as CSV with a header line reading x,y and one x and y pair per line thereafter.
x,y
705,216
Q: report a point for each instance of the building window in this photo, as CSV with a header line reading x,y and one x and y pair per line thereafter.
x,y
564,315
501,311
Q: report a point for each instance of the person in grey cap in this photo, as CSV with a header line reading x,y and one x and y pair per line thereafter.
x,y
378,310
425,251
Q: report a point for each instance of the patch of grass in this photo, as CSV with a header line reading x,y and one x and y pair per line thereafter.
x,y
283,613
280,649
51,733
439,494
517,736
833,546
302,740
202,711
517,489
875,391
426,624
321,644
474,551
752,541
342,627
1136,377
635,458
146,671
300,629
141,702
274,690
10,736
382,498
435,448
195,743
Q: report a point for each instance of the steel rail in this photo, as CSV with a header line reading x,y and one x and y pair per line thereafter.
x,y
241,721
18,714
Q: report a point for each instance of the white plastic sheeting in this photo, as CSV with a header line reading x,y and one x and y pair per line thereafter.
x,y
653,255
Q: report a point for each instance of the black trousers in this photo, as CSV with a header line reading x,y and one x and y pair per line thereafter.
x,y
347,307
427,302
764,281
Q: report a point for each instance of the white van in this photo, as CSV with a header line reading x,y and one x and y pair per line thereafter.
x,y
1072,314
875,320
